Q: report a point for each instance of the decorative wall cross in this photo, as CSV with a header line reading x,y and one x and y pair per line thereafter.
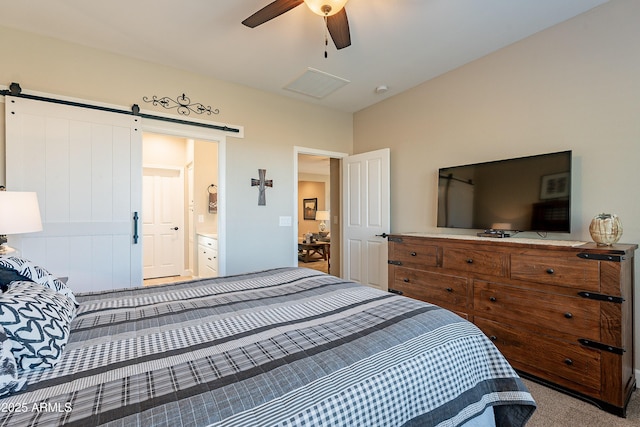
x,y
261,183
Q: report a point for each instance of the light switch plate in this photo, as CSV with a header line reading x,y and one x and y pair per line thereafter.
x,y
285,221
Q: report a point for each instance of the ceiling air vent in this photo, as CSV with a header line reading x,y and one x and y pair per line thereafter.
x,y
316,83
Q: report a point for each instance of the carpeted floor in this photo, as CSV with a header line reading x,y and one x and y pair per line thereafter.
x,y
557,409
315,265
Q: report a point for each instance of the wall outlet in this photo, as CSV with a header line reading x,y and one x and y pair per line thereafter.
x,y
200,218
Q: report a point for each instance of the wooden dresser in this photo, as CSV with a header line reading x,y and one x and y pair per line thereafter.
x,y
561,312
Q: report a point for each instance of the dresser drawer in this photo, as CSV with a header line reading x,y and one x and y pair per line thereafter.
x,y
560,315
208,242
207,262
413,254
440,289
571,272
478,262
565,363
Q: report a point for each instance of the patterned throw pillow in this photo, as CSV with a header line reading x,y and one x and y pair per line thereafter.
x,y
37,274
9,382
8,275
37,321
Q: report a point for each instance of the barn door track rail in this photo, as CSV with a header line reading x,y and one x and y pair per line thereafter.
x,y
16,90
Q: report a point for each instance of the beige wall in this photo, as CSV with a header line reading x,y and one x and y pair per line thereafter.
x,y
575,86
273,125
164,150
311,190
205,167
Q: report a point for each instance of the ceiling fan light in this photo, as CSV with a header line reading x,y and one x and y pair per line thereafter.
x,y
319,6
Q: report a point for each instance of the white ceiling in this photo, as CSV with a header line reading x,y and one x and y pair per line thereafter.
x,y
397,43
312,164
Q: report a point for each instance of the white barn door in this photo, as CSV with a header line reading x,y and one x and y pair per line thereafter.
x,y
86,167
366,205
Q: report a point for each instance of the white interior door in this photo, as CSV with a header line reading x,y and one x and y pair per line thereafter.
x,y
190,227
162,219
366,216
86,167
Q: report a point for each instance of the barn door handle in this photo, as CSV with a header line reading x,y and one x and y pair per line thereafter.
x,y
135,228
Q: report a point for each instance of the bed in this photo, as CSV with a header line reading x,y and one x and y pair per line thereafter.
x,y
283,347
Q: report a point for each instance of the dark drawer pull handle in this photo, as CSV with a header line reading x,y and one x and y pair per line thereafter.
x,y
492,299
550,270
449,290
405,280
493,338
568,315
413,254
568,361
469,261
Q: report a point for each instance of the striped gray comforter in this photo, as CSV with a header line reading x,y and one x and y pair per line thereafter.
x,y
284,347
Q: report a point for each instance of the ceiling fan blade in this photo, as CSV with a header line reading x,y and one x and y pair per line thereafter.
x,y
338,26
270,11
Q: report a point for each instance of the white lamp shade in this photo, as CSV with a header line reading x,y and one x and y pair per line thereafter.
x,y
501,226
316,6
19,212
322,215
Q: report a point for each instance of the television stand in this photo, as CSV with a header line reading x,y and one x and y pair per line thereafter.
x,y
560,311
498,234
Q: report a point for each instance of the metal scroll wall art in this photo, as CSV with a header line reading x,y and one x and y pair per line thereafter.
x,y
182,103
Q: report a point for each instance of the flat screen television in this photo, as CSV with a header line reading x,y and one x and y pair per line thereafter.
x,y
520,194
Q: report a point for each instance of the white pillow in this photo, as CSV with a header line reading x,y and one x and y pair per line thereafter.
x,y
37,321
38,274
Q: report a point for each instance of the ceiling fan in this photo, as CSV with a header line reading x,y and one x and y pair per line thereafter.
x,y
333,11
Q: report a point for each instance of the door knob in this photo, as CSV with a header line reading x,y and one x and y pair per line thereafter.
x,y
174,228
